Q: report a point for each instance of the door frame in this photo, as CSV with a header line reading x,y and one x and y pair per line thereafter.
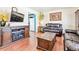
x,y
34,16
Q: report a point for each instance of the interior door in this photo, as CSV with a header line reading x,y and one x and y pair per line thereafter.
x,y
6,36
32,22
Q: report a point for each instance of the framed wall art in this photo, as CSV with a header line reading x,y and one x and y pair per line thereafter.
x,y
57,16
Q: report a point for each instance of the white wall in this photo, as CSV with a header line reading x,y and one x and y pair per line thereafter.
x,y
68,17
20,10
6,10
24,11
36,13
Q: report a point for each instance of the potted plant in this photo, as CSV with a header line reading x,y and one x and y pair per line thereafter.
x,y
2,22
41,17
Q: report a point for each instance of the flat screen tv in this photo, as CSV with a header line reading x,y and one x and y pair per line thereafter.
x,y
16,17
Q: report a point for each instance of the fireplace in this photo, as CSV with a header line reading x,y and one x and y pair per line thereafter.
x,y
17,34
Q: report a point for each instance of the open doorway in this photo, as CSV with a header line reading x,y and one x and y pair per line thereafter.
x,y
32,22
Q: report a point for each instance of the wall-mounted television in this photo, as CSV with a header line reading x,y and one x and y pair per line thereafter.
x,y
16,17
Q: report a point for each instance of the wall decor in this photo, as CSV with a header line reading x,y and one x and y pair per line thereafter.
x,y
57,16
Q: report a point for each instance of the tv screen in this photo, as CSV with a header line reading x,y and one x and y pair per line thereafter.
x,y
16,17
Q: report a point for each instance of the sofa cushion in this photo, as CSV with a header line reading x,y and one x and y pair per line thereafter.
x,y
70,31
53,24
72,40
75,38
72,45
67,36
71,36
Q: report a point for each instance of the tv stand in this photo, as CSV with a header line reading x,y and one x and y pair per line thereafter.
x,y
11,34
18,33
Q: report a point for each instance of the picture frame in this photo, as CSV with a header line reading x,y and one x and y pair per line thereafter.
x,y
57,16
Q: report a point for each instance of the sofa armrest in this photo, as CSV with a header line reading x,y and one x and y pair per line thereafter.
x,y
70,31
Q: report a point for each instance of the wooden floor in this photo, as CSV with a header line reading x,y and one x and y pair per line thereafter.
x,y
30,44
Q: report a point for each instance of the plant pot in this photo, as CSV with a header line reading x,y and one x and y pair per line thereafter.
x,y
3,23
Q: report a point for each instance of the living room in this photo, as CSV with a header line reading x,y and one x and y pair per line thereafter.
x,y
69,21
65,16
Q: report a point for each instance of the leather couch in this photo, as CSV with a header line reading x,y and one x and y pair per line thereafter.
x,y
53,27
71,40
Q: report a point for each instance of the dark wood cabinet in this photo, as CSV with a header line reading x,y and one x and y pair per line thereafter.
x,y
40,28
26,31
7,34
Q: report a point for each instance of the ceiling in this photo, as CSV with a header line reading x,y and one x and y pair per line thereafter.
x,y
47,9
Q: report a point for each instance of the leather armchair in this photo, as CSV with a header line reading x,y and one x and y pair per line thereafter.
x,y
71,40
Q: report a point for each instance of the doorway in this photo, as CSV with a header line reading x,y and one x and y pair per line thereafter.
x,y
32,22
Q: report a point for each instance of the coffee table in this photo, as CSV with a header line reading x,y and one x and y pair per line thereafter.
x,y
46,41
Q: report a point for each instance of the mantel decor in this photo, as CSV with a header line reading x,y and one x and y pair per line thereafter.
x,y
57,16
4,17
3,21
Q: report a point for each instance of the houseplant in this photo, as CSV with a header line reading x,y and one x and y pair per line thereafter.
x,y
2,22
41,17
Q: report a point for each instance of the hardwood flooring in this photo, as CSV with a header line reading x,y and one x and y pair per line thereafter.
x,y
30,44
